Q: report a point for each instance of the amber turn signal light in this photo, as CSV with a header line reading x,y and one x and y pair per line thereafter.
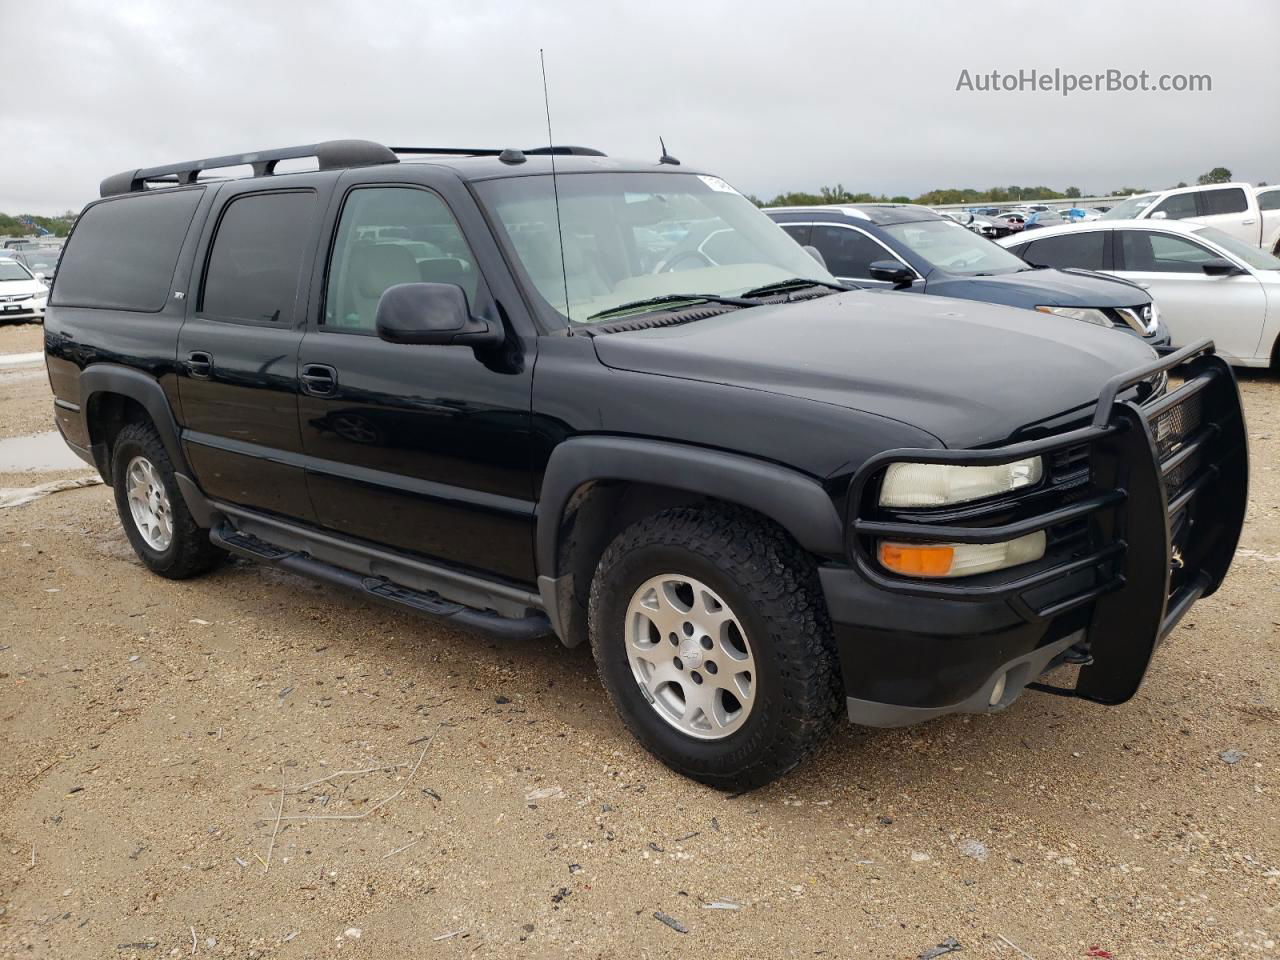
x,y
917,560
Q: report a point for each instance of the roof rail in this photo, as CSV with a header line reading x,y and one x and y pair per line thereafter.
x,y
331,154
558,150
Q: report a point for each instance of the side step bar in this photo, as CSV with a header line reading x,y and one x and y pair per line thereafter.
x,y
381,589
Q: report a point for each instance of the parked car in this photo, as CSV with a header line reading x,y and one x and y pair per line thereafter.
x,y
1037,220
1016,222
764,499
41,260
989,227
910,248
1205,282
22,295
1269,210
1231,207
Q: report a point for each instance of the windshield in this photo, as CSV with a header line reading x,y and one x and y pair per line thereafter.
x,y
1254,257
12,270
641,236
950,247
1129,209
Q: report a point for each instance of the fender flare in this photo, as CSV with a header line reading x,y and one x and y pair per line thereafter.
x,y
797,502
137,386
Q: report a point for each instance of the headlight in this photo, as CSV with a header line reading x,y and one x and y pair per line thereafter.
x,y
960,559
1087,314
939,484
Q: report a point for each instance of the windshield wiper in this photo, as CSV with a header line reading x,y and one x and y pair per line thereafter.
x,y
672,298
795,283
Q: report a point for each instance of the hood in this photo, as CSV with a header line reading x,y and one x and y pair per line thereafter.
x,y
969,373
1046,287
21,288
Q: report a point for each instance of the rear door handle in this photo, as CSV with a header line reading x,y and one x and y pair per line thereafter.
x,y
319,380
200,365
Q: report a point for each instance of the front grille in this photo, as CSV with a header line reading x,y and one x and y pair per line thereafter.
x,y
1175,426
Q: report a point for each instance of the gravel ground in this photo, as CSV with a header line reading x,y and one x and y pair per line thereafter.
x,y
21,337
147,727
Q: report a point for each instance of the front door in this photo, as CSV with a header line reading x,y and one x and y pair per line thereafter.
x,y
1192,303
422,448
238,350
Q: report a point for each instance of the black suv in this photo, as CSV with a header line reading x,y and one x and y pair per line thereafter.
x,y
542,391
909,247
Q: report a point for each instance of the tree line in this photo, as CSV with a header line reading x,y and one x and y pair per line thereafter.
x,y
20,225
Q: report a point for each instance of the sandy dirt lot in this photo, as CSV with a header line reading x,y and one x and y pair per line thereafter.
x,y
147,729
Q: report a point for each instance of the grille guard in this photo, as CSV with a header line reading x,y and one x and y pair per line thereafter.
x,y
1143,581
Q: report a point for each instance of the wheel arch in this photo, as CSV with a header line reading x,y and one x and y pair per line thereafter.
x,y
594,487
112,395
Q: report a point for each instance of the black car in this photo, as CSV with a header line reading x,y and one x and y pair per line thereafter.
x,y
908,247
534,393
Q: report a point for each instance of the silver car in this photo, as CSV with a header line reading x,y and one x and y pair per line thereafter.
x,y
1205,282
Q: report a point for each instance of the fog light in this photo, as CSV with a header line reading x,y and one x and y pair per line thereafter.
x,y
997,692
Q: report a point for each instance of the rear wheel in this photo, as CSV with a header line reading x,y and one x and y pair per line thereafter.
x,y
156,520
712,639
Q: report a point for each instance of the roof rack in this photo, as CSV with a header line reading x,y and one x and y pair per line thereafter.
x,y
331,155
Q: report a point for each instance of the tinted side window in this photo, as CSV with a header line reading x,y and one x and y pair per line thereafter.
x,y
799,232
1269,200
1214,202
257,256
1083,250
1161,252
122,252
387,236
848,252
1178,206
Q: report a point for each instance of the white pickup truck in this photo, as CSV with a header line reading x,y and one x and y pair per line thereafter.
x,y
1269,207
1232,208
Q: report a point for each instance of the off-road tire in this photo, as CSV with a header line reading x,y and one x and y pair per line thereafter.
x,y
773,587
190,552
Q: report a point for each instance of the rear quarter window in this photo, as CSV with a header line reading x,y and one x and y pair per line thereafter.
x,y
122,253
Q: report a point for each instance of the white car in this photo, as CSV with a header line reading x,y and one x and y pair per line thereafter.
x,y
1205,282
1269,210
1231,207
22,296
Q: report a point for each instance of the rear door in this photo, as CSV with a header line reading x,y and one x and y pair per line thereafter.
x,y
238,349
1193,304
420,448
1230,210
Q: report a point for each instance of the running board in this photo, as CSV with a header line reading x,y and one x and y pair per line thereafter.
x,y
381,589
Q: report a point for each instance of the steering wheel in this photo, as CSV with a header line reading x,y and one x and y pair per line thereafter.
x,y
669,265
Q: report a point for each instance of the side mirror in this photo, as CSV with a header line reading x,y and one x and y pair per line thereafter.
x,y
434,314
892,271
1159,215
1220,267
816,254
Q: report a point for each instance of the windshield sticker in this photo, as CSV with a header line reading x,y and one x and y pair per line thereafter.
x,y
715,183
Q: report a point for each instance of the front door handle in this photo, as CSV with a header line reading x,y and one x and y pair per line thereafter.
x,y
200,365
319,380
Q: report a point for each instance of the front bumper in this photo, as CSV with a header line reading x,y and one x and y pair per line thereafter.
x,y
1142,514
23,310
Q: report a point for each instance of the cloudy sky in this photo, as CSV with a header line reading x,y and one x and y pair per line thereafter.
x,y
771,95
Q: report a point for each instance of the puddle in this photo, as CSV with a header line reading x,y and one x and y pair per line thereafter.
x,y
38,453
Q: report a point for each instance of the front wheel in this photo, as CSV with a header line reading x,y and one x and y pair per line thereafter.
x,y
712,639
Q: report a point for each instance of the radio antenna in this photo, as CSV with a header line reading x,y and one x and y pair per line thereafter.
x,y
555,189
